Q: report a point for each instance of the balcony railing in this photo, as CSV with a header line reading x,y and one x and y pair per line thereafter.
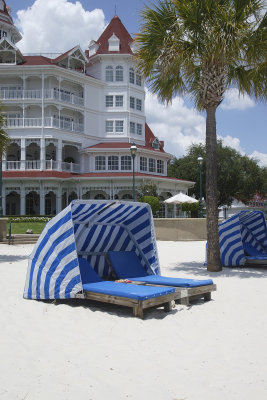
x,y
37,94
49,122
36,165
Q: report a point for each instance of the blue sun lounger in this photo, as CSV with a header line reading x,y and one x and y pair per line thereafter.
x,y
127,265
135,296
253,255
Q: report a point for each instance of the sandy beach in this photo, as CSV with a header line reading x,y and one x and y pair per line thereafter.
x,y
78,349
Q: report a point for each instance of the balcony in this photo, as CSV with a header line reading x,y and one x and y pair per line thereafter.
x,y
49,122
50,94
35,165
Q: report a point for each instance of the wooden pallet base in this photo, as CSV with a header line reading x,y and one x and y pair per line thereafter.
x,y
186,295
137,305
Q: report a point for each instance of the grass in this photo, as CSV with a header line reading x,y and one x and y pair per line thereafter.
x,y
21,227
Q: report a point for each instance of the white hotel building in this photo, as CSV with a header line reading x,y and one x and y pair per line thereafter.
x,y
71,120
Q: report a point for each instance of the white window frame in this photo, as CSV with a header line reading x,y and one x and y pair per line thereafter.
x,y
113,163
132,102
119,126
138,105
138,79
126,163
132,127
143,164
160,167
109,126
119,73
139,129
152,165
131,76
109,73
100,161
109,101
119,100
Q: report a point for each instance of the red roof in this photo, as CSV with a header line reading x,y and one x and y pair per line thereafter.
x,y
65,175
37,60
115,26
149,138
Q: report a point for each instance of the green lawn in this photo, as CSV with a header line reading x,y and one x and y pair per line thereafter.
x,y
21,227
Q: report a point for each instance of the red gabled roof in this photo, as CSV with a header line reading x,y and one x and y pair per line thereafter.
x,y
115,26
37,60
149,138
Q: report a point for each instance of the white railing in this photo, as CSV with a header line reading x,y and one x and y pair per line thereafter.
x,y
65,97
12,165
49,122
36,165
37,94
70,167
32,164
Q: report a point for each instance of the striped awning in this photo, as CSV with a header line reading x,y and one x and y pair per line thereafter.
x,y
88,228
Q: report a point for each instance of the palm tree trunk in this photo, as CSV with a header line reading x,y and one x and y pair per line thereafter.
x,y
213,250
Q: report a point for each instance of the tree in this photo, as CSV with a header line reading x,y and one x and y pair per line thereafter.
x,y
153,201
148,189
201,48
239,177
3,146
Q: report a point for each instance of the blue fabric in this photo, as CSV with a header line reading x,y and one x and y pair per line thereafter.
x,y
88,275
177,282
137,292
252,251
128,266
263,257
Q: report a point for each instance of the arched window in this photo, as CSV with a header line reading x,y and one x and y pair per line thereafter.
x,y
109,73
119,73
131,75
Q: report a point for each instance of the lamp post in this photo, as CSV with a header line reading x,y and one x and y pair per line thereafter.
x,y
200,162
133,150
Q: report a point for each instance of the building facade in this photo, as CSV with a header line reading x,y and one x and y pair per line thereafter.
x,y
72,119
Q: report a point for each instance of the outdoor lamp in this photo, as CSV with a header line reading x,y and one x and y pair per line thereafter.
x,y
133,150
200,162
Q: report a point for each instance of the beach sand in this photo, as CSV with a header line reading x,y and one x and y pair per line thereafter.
x,y
77,349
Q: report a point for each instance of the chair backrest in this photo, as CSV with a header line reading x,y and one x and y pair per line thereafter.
x,y
88,274
126,264
251,250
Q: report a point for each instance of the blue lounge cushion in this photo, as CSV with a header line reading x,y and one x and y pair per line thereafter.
x,y
178,282
127,265
252,251
88,274
137,292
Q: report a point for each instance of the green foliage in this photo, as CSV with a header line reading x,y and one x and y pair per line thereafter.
x,y
149,189
153,202
192,209
238,176
4,139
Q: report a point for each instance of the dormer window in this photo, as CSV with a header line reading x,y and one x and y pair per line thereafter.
x,y
119,73
113,43
1,5
156,144
93,47
109,73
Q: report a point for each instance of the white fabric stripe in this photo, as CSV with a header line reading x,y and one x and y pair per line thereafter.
x,y
74,272
49,243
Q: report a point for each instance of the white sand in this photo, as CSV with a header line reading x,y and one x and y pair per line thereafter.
x,y
76,350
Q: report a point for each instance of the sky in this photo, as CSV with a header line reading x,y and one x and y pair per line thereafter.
x,y
54,26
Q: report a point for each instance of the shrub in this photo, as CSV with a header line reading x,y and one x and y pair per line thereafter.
x,y
154,203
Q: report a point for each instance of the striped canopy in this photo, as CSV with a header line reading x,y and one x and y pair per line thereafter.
x,y
243,227
88,229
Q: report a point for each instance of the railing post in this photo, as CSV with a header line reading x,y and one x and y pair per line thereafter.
x,y
71,167
9,232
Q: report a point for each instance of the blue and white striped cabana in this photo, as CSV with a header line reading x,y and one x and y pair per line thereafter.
x,y
243,227
88,228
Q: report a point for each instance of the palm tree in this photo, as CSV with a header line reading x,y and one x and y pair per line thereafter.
x,y
3,145
201,48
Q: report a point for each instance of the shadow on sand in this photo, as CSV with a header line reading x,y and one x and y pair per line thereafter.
x,y
201,271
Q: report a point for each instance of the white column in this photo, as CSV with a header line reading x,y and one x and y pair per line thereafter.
x,y
42,154
22,201
59,154
42,200
22,153
4,163
59,200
